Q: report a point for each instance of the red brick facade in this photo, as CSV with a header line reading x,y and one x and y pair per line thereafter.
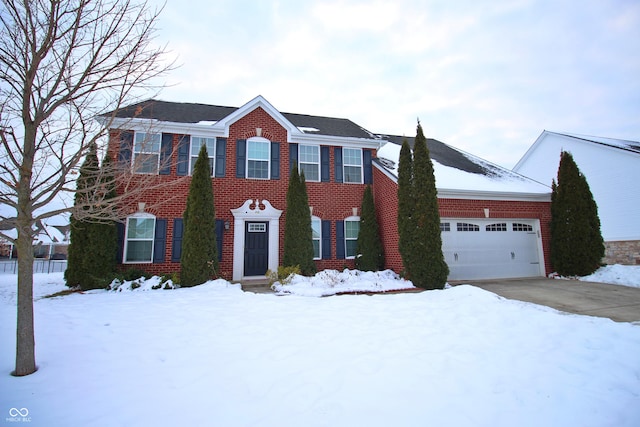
x,y
331,200
386,200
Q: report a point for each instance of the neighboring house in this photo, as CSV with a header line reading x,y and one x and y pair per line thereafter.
x,y
495,228
612,169
51,242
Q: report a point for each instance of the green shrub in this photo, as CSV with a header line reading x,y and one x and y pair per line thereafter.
x,y
283,275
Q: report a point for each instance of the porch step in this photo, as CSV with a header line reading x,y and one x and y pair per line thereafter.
x,y
260,286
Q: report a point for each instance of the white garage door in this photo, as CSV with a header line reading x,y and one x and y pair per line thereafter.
x,y
491,248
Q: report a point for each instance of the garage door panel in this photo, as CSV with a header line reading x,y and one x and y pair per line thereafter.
x,y
498,249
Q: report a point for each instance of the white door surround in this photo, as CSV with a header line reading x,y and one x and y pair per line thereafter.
x,y
250,211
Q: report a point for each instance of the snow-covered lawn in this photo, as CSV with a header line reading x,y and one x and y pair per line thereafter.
x,y
213,355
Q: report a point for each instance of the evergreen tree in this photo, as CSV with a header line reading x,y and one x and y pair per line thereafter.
x,y
298,237
429,271
103,233
577,246
199,260
369,247
78,273
406,207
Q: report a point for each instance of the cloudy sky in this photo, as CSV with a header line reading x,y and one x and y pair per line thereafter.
x,y
484,76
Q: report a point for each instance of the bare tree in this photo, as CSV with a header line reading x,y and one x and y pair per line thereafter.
x,y
62,64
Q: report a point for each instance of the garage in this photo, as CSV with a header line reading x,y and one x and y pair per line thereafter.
x,y
491,248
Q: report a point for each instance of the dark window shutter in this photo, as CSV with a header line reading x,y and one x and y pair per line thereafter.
x,y
120,249
293,156
176,243
326,239
275,160
160,241
221,161
368,171
340,239
337,160
182,168
165,154
241,158
219,234
126,145
324,164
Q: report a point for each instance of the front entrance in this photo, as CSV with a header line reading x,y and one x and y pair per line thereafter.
x,y
256,248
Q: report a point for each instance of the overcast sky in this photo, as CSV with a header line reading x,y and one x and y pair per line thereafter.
x,y
484,76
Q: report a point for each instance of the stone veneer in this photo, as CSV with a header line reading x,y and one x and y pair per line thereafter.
x,y
626,252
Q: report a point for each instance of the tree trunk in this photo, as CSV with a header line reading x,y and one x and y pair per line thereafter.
x,y
25,342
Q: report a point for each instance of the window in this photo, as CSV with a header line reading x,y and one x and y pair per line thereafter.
x,y
258,159
257,227
502,226
522,227
352,158
351,230
146,152
310,162
196,143
316,236
445,226
464,226
139,238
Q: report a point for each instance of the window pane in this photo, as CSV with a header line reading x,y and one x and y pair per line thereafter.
x,y
146,163
351,229
139,251
352,157
316,248
315,228
352,174
310,172
309,154
197,142
351,248
147,142
258,150
258,169
140,228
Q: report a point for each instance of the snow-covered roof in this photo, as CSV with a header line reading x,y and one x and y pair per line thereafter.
x,y
484,178
611,142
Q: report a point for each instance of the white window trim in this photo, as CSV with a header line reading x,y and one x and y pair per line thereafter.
x,y
315,218
246,167
211,156
344,165
135,153
138,215
350,219
300,162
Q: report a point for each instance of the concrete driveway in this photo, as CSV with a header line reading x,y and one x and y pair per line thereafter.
x,y
619,303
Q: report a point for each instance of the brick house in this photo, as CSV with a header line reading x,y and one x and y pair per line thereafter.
x,y
252,149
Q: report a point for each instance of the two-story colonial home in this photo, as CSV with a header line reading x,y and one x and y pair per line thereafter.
x,y
252,150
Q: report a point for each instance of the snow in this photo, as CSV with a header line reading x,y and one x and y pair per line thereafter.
x,y
449,178
627,275
214,355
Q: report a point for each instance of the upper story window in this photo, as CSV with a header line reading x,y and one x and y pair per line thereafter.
x,y
351,230
196,143
352,160
309,159
146,152
139,238
316,236
258,155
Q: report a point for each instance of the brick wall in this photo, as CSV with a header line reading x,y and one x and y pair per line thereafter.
x,y
330,201
386,200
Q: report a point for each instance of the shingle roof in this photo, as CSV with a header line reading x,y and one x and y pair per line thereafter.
x,y
449,156
182,112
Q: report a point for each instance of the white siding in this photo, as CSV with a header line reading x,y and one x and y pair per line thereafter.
x,y
613,175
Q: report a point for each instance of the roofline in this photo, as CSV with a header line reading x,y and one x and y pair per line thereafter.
x,y
450,193
153,125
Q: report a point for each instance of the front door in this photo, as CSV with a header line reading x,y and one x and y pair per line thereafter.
x,y
256,248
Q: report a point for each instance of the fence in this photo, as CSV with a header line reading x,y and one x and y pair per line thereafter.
x,y
39,266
